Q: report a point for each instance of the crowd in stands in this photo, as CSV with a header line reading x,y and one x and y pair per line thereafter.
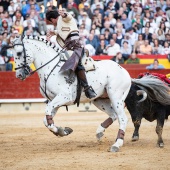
x,y
118,28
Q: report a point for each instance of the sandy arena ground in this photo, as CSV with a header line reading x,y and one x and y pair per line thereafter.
x,y
26,144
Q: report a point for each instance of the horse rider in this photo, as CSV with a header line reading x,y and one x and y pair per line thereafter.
x,y
67,36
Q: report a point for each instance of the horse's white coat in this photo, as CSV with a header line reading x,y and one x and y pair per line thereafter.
x,y
108,77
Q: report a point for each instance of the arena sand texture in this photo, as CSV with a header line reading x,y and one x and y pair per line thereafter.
x,y
26,144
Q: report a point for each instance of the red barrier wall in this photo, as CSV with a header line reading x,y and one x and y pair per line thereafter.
x,y
12,88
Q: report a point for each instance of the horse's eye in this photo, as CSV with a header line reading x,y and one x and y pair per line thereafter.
x,y
19,53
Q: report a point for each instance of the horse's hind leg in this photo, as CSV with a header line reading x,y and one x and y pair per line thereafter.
x,y
117,98
105,106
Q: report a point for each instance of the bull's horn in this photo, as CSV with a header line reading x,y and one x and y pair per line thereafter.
x,y
141,92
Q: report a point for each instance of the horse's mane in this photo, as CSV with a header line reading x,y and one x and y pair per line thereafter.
x,y
156,89
48,43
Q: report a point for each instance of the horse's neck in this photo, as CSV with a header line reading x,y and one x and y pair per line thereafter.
x,y
43,56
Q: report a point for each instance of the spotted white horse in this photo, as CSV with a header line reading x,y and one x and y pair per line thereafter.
x,y
109,80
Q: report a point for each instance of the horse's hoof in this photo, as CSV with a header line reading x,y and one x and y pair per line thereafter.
x,y
99,135
64,132
68,130
114,149
135,138
161,145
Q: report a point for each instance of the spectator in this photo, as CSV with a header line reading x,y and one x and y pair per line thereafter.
x,y
85,20
133,12
93,6
155,65
118,58
92,40
126,21
166,48
163,27
119,26
128,39
153,25
158,15
107,35
87,10
97,31
137,26
161,36
90,49
151,29
113,48
145,48
18,4
111,19
125,50
1,58
34,16
18,16
101,49
7,18
113,5
83,32
137,44
133,36
125,8
18,27
81,5
101,37
5,26
147,35
119,37
27,7
156,47
133,59
70,8
97,21
41,22
11,8
28,19
98,9
107,26
119,13
50,6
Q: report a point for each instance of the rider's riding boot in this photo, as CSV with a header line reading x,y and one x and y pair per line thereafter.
x,y
89,92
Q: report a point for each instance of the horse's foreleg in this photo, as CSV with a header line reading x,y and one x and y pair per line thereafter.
x,y
105,106
51,110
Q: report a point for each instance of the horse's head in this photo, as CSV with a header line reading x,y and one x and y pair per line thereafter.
x,y
22,58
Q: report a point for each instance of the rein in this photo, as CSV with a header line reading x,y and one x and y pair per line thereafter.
x,y
25,66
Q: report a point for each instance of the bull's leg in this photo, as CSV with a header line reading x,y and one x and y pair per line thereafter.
x,y
105,106
137,123
51,109
159,127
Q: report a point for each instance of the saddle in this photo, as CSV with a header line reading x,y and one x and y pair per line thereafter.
x,y
87,61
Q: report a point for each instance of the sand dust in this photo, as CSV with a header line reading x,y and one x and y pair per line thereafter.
x,y
26,144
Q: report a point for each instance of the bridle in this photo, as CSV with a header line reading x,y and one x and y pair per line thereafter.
x,y
26,67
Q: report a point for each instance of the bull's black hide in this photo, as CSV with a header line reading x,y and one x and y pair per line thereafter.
x,y
147,109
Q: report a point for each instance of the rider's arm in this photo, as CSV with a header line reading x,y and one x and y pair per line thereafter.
x,y
65,16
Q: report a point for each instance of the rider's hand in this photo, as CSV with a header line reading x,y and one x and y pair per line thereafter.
x,y
62,13
50,34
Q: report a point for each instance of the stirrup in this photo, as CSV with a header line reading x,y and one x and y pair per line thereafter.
x,y
89,92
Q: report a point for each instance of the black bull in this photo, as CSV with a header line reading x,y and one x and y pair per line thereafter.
x,y
147,109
